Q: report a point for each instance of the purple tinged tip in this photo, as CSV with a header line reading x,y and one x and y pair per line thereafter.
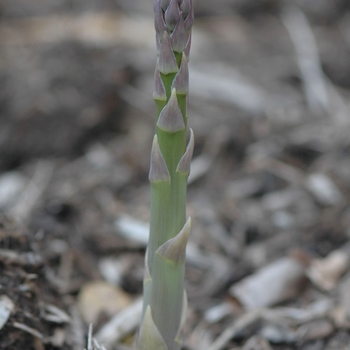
x,y
188,47
158,170
174,249
159,23
185,162
179,37
170,118
189,19
181,80
186,7
172,14
158,44
164,4
167,62
159,92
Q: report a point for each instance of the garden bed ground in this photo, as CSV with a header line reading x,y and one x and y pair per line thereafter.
x,y
269,193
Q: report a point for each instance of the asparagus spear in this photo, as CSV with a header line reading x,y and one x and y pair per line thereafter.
x,y
164,296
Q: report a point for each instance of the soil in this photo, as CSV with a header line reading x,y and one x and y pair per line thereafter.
x,y
271,169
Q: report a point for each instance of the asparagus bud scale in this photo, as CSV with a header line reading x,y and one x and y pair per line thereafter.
x,y
165,302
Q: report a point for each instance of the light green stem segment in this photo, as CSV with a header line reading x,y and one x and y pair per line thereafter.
x,y
168,214
165,259
164,296
168,201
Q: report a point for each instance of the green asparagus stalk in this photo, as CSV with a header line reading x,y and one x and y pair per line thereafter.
x,y
165,299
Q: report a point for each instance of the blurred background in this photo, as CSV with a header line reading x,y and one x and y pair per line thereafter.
x,y
269,188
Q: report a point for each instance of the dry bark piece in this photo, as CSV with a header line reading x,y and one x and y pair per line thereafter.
x,y
239,325
113,269
121,324
32,193
309,61
245,187
22,259
317,329
344,299
222,83
279,333
199,167
100,297
132,229
200,337
6,308
326,273
339,317
56,315
75,333
11,185
35,333
58,337
102,28
218,312
257,342
312,323
93,344
324,189
277,282
292,316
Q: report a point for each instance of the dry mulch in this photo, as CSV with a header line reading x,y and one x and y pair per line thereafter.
x,y
269,193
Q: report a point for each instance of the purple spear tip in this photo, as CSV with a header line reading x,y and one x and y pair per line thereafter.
x,y
181,80
186,7
158,170
170,118
167,61
159,92
185,162
172,14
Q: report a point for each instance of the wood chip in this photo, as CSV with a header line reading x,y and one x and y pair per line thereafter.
x,y
35,333
120,325
56,315
316,330
11,184
223,83
75,333
308,59
100,297
22,259
200,338
32,193
6,308
279,333
257,342
296,316
235,328
93,344
218,312
58,337
326,273
132,229
287,277
324,189
344,295
95,29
